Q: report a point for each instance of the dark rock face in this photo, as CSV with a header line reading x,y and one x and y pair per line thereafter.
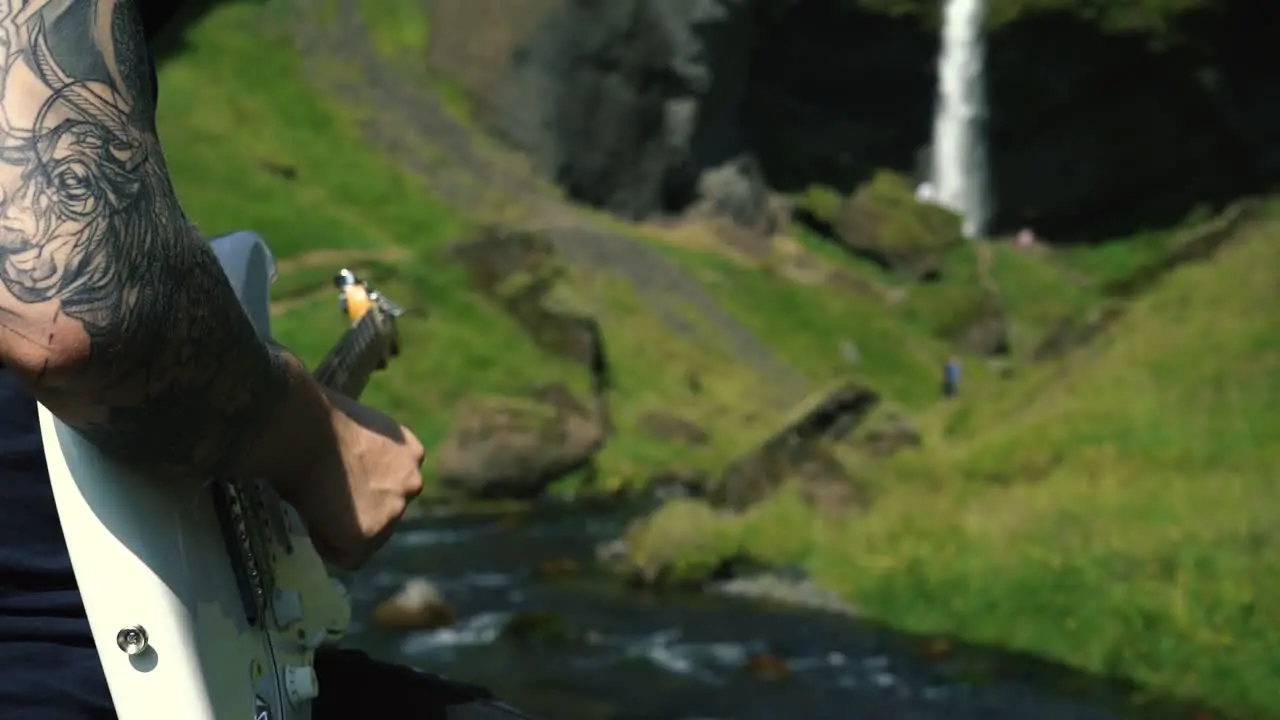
x,y
622,102
1092,132
835,93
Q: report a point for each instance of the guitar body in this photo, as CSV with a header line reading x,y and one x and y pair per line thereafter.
x,y
183,625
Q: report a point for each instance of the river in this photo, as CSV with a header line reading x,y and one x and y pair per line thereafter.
x,y
636,655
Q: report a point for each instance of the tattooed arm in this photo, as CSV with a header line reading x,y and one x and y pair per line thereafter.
x,y
113,310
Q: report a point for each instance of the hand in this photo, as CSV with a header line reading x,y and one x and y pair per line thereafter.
x,y
360,484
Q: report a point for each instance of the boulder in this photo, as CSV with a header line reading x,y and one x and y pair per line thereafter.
x,y
557,568
677,482
514,447
684,543
669,427
767,667
736,190
884,222
418,605
797,451
540,627
887,433
824,484
521,271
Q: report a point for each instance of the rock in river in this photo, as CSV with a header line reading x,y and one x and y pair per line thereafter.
x,y
418,605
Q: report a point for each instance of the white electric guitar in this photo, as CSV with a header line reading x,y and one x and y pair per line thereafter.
x,y
207,601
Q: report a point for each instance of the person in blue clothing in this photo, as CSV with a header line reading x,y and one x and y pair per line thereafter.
x,y
951,377
115,314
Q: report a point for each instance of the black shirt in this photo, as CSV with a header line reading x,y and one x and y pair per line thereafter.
x,y
49,668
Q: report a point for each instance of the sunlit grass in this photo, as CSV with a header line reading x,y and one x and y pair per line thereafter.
x,y
1120,517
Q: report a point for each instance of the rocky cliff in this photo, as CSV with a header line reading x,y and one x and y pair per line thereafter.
x,y
1104,117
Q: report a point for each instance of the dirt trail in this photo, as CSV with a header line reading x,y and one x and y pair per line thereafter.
x,y
406,121
336,258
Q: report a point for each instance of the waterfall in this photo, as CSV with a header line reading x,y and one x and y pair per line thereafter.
x,y
958,168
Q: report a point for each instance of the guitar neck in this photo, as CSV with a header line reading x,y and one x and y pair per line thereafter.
x,y
347,367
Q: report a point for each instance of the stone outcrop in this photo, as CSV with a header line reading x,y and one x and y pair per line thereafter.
x,y
886,434
795,451
883,221
417,605
683,544
521,272
510,447
1098,123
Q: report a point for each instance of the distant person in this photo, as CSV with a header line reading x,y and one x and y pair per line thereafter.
x,y
951,377
1026,239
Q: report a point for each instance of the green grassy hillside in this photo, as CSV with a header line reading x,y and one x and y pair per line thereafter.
x,y
1114,510
1110,508
236,108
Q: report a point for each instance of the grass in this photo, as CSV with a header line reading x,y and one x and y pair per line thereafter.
x,y
233,106
1111,510
1118,518
232,103
397,28
809,326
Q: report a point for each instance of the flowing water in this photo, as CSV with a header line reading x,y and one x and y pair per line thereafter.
x,y
959,164
629,655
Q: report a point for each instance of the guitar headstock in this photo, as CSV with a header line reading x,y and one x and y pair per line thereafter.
x,y
362,304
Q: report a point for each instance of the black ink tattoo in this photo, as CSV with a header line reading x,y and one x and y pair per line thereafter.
x,y
175,377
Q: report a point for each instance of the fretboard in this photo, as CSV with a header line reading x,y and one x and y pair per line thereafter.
x,y
348,366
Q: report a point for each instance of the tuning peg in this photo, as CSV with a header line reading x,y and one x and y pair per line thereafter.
x,y
390,308
397,311
345,279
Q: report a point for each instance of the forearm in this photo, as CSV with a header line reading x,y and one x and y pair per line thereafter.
x,y
175,381
113,311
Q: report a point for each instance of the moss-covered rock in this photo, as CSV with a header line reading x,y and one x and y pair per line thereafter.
x,y
796,450
514,447
540,627
522,272
884,221
819,205
683,543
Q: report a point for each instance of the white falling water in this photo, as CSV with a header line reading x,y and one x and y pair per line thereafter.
x,y
959,163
